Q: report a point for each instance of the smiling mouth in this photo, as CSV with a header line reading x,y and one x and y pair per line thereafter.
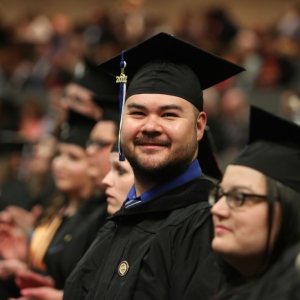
x,y
146,142
151,145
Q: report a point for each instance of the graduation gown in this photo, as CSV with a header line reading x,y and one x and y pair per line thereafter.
x,y
282,281
158,250
73,238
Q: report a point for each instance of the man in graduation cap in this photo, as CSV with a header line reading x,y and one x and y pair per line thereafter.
x,y
158,245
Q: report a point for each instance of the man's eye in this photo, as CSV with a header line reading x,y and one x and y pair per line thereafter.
x,y
170,114
137,113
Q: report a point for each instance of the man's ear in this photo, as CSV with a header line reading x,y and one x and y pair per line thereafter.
x,y
200,124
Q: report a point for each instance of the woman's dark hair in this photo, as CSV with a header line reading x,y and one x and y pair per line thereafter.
x,y
288,235
289,232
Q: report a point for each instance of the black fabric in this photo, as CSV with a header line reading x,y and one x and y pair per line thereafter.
x,y
13,192
62,254
207,156
166,242
274,148
184,69
101,84
111,114
282,281
76,129
269,127
276,161
8,289
166,77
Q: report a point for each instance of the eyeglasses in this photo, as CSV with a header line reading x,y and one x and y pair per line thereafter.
x,y
234,198
99,144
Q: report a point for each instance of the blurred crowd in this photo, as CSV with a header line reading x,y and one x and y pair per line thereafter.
x,y
39,54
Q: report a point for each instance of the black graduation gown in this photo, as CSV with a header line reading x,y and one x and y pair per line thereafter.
x,y
282,281
73,238
166,243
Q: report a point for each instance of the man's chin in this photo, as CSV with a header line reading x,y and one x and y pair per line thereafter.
x,y
149,165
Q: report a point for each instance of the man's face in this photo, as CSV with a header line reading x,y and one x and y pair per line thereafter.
x,y
102,138
160,134
80,99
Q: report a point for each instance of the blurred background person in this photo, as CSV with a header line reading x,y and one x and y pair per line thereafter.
x,y
102,137
40,179
70,222
233,123
118,181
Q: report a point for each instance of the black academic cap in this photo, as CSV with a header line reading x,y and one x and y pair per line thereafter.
x,y
111,114
76,129
164,64
102,84
207,156
273,148
10,141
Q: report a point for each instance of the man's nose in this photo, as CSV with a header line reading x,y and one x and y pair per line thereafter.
x,y
152,124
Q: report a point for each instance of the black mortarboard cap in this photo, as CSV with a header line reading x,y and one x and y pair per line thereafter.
x,y
76,129
10,141
103,85
273,148
164,64
207,156
111,114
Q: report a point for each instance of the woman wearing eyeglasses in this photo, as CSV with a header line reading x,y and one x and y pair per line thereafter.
x,y
256,213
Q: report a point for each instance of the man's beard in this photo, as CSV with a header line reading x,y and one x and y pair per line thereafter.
x,y
172,166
